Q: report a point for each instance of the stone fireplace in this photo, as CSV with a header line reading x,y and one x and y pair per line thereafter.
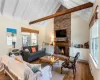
x,y
63,22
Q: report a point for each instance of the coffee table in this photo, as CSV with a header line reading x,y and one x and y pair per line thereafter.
x,y
49,60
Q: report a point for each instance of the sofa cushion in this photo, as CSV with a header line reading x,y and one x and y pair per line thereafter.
x,y
36,55
30,48
27,47
33,49
27,50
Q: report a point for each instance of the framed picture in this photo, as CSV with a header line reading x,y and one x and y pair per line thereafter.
x,y
11,36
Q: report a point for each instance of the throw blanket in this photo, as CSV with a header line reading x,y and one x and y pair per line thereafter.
x,y
46,73
23,72
43,74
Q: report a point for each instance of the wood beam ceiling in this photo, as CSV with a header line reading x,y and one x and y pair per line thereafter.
x,y
77,8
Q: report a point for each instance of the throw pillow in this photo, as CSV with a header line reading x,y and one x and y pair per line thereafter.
x,y
35,69
33,49
18,59
13,56
27,50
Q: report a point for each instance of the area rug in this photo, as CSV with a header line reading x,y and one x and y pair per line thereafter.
x,y
56,73
57,76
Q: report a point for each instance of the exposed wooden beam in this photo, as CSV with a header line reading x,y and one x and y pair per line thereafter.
x,y
77,8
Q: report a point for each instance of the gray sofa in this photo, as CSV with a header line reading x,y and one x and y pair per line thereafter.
x,y
29,56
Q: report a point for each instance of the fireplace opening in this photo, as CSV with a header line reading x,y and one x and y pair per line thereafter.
x,y
61,50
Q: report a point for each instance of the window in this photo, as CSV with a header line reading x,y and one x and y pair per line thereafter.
x,y
26,39
94,42
34,39
29,39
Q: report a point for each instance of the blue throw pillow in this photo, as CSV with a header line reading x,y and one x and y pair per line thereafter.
x,y
35,69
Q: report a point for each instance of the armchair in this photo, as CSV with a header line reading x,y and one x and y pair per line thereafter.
x,y
70,64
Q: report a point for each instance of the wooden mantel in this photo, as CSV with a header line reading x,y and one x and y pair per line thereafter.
x,y
61,44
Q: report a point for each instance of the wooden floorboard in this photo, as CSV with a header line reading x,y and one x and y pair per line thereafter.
x,y
82,73
3,77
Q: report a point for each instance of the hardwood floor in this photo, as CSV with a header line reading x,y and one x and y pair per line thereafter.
x,y
3,77
83,73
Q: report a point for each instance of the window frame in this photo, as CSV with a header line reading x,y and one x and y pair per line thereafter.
x,y
30,41
92,44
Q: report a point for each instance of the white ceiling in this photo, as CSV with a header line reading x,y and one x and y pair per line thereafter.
x,y
28,10
84,14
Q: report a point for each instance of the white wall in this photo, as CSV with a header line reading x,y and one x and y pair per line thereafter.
x,y
9,23
79,30
49,31
6,23
96,71
79,35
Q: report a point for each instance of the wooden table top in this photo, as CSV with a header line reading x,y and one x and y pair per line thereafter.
x,y
61,57
49,59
